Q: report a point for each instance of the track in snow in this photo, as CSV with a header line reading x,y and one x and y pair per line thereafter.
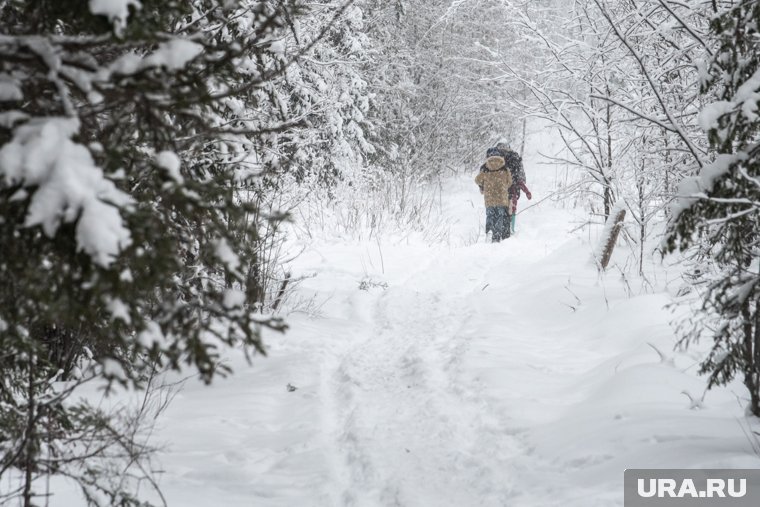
x,y
408,427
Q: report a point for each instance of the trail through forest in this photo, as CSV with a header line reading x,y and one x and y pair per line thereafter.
x,y
243,258
457,373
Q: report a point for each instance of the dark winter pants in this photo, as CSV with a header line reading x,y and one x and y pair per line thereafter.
x,y
497,221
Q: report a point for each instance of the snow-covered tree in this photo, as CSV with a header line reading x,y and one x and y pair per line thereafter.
x,y
618,81
440,101
659,46
127,241
566,64
719,210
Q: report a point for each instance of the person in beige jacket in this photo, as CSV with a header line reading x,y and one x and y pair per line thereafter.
x,y
494,180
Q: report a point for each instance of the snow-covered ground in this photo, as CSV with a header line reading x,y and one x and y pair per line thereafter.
x,y
460,374
457,374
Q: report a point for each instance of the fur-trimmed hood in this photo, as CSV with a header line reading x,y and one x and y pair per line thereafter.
x,y
494,163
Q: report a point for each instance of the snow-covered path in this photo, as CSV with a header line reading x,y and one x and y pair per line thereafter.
x,y
393,402
408,429
460,374
411,422
429,401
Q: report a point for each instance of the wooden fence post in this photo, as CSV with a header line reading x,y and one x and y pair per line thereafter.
x,y
612,230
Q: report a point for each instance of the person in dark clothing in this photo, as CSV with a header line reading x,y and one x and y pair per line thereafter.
x,y
494,181
513,161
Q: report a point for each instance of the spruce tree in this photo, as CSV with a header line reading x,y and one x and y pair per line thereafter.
x,y
718,211
126,240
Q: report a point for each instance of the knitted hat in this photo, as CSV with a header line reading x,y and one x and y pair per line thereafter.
x,y
503,146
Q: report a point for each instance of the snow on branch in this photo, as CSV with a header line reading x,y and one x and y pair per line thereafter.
x,y
67,186
653,85
117,11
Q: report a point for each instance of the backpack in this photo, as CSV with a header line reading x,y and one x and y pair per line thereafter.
x,y
513,161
